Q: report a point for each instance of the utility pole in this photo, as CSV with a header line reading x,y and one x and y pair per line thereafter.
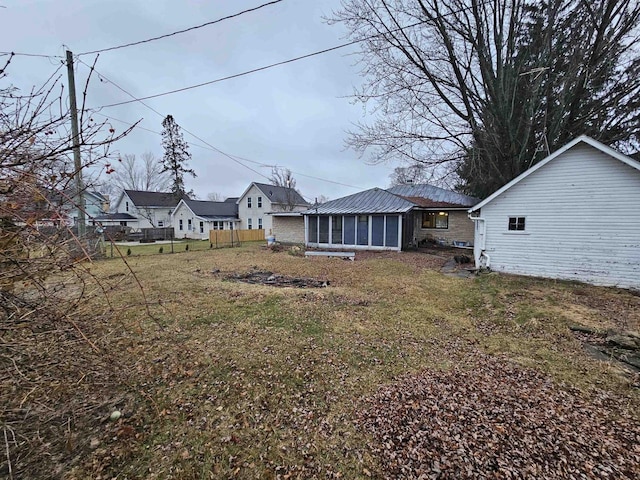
x,y
77,162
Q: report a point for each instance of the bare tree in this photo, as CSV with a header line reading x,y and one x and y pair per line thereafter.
x,y
214,197
416,173
482,90
282,177
131,173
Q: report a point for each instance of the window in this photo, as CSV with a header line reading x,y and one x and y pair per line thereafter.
x,y
201,227
218,225
180,225
248,202
391,234
363,230
323,229
160,224
377,230
189,225
123,224
259,220
439,220
349,230
313,229
336,230
516,224
126,206
259,202
249,224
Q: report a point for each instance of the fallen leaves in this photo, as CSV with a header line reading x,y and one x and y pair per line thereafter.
x,y
499,420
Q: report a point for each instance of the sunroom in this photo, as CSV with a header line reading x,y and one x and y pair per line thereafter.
x,y
370,232
369,220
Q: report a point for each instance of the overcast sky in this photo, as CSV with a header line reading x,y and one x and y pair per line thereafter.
x,y
294,115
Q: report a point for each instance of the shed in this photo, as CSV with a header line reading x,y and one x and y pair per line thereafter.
x,y
575,215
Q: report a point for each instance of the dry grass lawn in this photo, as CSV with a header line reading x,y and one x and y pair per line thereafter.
x,y
220,379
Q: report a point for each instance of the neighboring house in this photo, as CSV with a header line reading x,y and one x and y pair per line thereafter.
x,y
440,214
194,218
95,205
148,209
260,200
575,215
393,219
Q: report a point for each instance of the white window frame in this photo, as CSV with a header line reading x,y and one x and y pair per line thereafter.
x,y
259,202
201,227
189,225
249,224
180,225
249,202
259,223
519,220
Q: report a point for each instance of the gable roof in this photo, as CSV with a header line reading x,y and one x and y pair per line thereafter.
x,y
232,199
375,200
581,139
276,194
141,198
212,210
429,196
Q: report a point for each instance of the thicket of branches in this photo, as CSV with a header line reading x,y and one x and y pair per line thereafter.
x,y
479,90
38,195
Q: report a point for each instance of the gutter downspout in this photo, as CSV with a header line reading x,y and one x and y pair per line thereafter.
x,y
483,244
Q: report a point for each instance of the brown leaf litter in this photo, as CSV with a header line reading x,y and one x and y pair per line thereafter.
x,y
499,420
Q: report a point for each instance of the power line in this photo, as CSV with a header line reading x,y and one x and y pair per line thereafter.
x,y
266,67
20,54
178,32
234,158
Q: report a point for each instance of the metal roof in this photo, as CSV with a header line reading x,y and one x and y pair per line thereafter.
x,y
287,196
375,200
141,198
425,195
212,210
114,216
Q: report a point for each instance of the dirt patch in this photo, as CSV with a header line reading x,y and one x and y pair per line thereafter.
x,y
499,420
275,280
420,260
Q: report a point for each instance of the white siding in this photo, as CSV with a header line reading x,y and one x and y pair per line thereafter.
x,y
255,212
582,214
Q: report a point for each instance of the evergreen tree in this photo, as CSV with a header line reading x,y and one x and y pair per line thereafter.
x,y
176,156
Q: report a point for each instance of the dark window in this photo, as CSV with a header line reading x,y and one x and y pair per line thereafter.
x,y
201,227
259,220
336,230
516,224
126,206
391,236
180,224
249,224
438,220
259,202
248,202
323,230
349,230
363,229
377,230
313,229
189,225
123,224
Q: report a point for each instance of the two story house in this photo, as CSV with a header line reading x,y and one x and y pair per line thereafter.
x,y
259,201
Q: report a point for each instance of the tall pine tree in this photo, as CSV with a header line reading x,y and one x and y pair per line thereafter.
x,y
176,156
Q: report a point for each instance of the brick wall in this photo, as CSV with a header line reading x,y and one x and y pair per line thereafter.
x,y
460,228
288,229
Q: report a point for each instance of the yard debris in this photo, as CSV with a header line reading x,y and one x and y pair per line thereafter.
x,y
611,345
270,278
499,420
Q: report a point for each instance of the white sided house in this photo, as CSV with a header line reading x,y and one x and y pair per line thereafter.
x,y
575,215
195,218
260,200
144,209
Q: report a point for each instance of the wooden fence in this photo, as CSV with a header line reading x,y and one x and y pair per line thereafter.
x,y
222,238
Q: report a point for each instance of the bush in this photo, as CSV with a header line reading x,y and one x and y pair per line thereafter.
x,y
128,252
186,248
160,250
